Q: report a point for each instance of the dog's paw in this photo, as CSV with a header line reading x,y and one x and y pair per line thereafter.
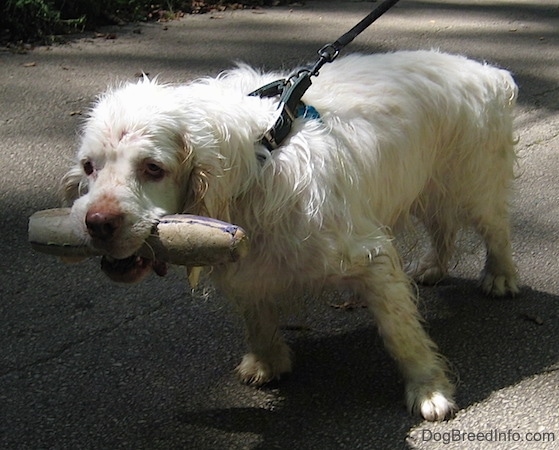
x,y
425,272
256,370
502,285
432,405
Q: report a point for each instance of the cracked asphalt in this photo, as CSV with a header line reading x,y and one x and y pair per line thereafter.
x,y
87,364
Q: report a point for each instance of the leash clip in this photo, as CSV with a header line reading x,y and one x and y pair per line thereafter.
x,y
327,54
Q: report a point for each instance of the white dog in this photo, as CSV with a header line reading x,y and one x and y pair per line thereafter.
x,y
421,134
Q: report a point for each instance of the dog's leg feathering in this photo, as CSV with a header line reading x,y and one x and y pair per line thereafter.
x,y
388,293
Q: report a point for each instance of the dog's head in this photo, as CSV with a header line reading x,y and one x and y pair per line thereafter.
x,y
148,150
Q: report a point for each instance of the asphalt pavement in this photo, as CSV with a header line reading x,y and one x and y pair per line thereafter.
x,y
88,364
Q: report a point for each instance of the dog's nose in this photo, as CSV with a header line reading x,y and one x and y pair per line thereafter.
x,y
102,225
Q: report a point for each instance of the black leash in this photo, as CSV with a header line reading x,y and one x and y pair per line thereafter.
x,y
292,89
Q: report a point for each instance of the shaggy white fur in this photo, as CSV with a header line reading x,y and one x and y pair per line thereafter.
x,y
409,133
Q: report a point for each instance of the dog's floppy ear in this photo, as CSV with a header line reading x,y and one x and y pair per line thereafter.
x,y
73,185
204,196
196,189
209,185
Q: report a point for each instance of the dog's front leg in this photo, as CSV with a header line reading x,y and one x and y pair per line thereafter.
x,y
269,356
388,293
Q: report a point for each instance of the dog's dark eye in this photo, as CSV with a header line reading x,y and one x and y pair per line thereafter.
x,y
88,167
153,171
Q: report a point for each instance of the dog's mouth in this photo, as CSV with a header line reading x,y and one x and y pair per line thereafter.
x,y
131,269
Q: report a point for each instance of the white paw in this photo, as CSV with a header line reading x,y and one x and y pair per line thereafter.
x,y
426,273
499,285
432,406
256,370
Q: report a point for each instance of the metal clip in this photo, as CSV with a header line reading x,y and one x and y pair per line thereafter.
x,y
327,54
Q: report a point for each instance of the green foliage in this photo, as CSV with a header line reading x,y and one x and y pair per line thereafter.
x,y
32,20
40,20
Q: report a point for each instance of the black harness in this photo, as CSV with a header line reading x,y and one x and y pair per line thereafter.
x,y
292,88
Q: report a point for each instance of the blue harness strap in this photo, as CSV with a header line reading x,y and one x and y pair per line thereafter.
x,y
307,112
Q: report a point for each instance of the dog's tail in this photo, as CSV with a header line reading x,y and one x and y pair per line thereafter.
x,y
510,88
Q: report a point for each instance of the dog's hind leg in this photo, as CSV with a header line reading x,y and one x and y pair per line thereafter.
x,y
387,290
499,276
489,214
269,356
432,267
